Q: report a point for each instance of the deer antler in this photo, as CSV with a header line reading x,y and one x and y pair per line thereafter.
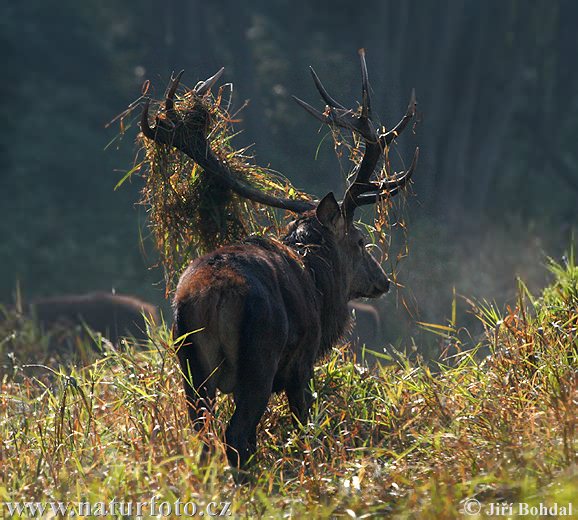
x,y
362,190
187,131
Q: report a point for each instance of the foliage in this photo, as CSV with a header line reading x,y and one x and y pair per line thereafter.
x,y
190,211
399,440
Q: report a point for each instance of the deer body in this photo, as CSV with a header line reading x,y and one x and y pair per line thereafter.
x,y
265,311
221,292
113,315
251,319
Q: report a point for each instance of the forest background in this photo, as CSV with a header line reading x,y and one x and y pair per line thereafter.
x,y
494,194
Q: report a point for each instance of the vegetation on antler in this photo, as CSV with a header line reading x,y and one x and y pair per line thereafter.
x,y
192,212
203,193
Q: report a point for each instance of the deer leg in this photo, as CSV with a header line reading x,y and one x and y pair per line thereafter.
x,y
199,390
241,435
262,333
300,397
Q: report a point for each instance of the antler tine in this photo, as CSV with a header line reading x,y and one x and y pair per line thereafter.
x,y
389,188
390,136
206,85
400,180
365,97
324,94
336,114
170,99
144,121
342,118
313,111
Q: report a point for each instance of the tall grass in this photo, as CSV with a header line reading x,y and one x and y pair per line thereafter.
x,y
403,439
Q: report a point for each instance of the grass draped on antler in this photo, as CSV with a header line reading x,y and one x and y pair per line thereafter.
x,y
190,211
202,193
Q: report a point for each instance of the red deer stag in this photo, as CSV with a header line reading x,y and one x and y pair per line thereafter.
x,y
268,308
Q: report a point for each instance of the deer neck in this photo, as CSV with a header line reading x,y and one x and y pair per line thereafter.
x,y
328,272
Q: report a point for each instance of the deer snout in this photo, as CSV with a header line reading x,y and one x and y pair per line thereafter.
x,y
378,280
385,285
382,285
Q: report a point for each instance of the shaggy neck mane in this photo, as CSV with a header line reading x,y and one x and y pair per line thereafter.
x,y
324,263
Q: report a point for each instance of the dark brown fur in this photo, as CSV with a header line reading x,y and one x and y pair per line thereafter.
x,y
113,315
264,312
365,328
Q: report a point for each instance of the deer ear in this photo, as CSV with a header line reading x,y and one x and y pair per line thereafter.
x,y
329,213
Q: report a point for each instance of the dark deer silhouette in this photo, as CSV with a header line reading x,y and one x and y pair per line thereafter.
x,y
269,308
365,328
113,315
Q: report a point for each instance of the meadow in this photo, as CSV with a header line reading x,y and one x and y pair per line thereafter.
x,y
494,421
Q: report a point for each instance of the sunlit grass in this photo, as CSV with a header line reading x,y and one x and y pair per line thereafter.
x,y
404,439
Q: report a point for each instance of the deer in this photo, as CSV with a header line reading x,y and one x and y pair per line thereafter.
x,y
365,327
113,315
252,318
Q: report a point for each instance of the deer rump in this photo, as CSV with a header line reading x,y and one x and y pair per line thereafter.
x,y
257,315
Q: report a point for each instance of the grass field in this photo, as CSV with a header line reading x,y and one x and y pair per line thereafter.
x,y
403,440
